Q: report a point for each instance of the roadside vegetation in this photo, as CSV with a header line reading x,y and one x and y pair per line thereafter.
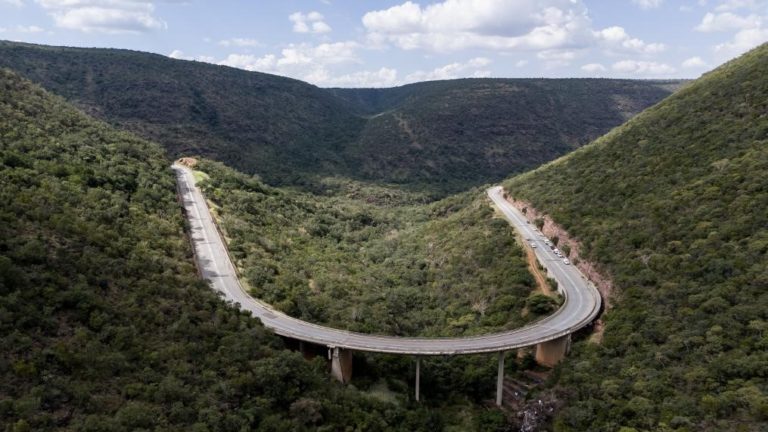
x,y
373,259
674,207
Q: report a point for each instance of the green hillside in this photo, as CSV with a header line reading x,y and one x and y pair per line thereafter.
x,y
438,136
276,126
372,259
104,324
674,206
473,131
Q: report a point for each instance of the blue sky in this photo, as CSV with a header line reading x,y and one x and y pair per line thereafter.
x,y
386,43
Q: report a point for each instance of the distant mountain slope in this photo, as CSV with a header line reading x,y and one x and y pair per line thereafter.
x,y
443,136
104,325
472,131
674,206
278,127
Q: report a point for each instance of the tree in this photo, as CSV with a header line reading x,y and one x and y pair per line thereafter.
x,y
540,304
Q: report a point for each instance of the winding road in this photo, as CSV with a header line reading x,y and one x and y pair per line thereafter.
x,y
581,305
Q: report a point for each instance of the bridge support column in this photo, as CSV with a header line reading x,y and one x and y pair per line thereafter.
x,y
341,364
418,378
552,352
500,379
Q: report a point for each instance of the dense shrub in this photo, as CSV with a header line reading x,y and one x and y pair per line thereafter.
x,y
674,206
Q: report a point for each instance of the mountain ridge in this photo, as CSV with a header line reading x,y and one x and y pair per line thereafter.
x,y
443,136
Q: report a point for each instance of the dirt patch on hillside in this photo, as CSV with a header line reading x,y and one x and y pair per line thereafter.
x,y
406,127
551,229
187,162
533,266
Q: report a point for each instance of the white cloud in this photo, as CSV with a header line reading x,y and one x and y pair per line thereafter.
x,y
742,42
108,16
635,67
546,26
22,29
493,24
472,68
593,67
179,55
748,28
615,39
309,23
694,63
556,58
521,63
250,62
16,3
727,21
306,62
729,5
29,29
326,53
239,42
384,77
311,63
556,55
648,4
296,55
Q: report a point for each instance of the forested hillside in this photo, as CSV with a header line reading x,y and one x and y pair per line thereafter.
x,y
372,259
451,134
279,127
104,324
438,136
674,206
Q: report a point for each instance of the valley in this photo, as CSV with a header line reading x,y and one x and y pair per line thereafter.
x,y
292,133
582,301
368,221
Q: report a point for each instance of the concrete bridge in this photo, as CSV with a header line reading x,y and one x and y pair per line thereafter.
x,y
550,335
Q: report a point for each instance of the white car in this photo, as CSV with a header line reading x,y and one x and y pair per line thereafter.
x,y
533,245
566,261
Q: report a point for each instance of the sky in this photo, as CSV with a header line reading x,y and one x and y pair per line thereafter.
x,y
382,43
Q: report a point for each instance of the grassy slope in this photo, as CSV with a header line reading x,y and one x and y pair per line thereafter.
x,y
104,325
370,259
674,205
438,136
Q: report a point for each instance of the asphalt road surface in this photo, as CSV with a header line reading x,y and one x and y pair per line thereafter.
x,y
581,306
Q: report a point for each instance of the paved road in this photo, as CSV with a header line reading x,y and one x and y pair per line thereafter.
x,y
582,301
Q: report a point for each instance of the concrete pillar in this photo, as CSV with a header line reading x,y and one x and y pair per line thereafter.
x,y
418,378
341,364
552,352
500,379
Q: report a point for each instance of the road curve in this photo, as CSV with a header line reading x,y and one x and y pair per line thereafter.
x,y
581,306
